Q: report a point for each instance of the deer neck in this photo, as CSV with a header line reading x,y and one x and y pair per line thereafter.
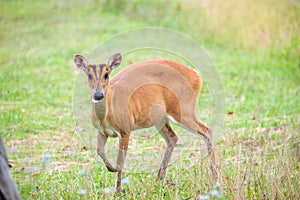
x,y
101,109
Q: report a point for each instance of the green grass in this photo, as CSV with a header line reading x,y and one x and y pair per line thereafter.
x,y
254,45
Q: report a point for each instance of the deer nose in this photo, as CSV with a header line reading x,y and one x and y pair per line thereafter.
x,y
98,96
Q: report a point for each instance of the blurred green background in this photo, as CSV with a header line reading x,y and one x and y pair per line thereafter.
x,y
255,45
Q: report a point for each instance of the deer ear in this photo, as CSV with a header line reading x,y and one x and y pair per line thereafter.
x,y
115,60
81,62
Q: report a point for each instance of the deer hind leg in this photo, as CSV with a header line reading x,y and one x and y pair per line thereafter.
x,y
203,130
207,135
100,150
171,140
123,147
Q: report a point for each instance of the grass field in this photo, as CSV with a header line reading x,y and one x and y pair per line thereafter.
x,y
255,46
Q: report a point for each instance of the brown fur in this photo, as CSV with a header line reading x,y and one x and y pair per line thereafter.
x,y
144,94
144,98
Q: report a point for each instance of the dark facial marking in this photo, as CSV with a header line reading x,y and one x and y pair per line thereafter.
x,y
94,68
90,76
101,68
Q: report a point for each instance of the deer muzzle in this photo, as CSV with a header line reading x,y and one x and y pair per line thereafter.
x,y
98,96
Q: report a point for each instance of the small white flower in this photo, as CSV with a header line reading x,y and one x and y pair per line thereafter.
x,y
109,190
32,169
215,193
46,158
203,197
82,172
217,184
13,149
79,129
82,192
125,181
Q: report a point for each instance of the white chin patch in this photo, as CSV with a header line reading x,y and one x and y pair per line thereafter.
x,y
95,101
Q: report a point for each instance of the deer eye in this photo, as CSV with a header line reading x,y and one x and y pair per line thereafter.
x,y
106,76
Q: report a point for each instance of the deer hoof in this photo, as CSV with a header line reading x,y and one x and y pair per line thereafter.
x,y
111,169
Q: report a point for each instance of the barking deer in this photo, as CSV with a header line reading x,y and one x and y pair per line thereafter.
x,y
144,94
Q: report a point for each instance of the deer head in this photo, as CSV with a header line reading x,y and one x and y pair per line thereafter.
x,y
98,74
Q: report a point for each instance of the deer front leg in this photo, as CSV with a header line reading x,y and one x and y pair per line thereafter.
x,y
123,146
102,138
171,140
